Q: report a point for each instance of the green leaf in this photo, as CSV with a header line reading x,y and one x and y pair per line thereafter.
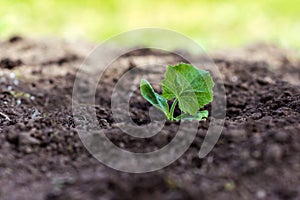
x,y
191,86
152,97
201,115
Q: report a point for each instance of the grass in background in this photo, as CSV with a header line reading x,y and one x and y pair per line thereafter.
x,y
213,23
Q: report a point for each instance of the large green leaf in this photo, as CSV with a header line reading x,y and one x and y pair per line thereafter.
x,y
152,97
191,86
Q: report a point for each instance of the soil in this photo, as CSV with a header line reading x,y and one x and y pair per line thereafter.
x,y
42,157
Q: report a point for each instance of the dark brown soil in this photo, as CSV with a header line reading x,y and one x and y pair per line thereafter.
x,y
42,157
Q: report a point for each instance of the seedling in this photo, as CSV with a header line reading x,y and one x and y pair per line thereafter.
x,y
187,86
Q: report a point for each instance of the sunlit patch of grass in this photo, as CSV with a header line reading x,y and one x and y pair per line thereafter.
x,y
213,23
2,27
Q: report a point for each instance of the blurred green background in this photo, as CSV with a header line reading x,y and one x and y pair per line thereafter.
x,y
213,23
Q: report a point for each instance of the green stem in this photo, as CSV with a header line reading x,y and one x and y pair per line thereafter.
x,y
171,113
179,117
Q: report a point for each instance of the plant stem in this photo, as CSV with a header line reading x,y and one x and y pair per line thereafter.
x,y
171,113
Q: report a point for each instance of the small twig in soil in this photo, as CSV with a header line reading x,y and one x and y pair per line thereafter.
x,y
5,116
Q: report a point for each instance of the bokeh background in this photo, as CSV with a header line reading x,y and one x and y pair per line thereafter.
x,y
213,23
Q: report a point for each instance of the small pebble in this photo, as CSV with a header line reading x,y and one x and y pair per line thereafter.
x,y
234,79
256,115
104,123
16,82
261,194
28,149
9,88
32,98
12,75
121,144
19,102
35,114
210,159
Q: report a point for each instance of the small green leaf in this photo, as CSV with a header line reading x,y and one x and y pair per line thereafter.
x,y
152,97
201,115
191,86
